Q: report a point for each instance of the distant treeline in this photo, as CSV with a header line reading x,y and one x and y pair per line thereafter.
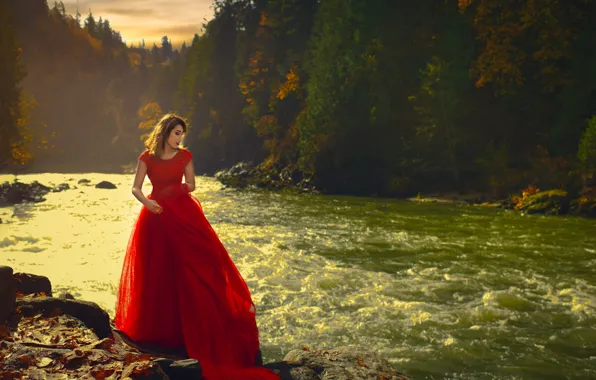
x,y
385,97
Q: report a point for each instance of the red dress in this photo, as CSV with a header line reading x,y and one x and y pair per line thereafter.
x,y
180,289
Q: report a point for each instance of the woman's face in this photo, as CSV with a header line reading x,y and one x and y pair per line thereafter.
x,y
175,137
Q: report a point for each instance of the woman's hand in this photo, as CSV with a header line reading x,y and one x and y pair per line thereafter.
x,y
154,207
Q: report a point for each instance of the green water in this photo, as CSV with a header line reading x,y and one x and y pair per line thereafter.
x,y
443,292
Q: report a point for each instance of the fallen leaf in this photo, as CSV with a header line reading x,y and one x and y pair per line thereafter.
x,y
101,374
25,359
44,362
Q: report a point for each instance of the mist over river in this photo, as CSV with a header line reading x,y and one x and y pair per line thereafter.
x,y
442,291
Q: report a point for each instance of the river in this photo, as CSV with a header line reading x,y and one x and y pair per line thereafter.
x,y
442,291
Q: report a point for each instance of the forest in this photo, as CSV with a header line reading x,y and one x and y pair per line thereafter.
x,y
385,98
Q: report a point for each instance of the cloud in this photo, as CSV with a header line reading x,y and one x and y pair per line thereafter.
x,y
141,12
148,19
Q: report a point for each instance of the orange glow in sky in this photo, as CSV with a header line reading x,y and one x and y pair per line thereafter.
x,y
148,19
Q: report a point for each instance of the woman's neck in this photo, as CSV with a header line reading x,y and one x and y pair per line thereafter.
x,y
168,150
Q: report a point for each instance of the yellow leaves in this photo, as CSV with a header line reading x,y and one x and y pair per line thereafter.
x,y
463,4
509,30
149,115
134,58
519,201
264,17
530,190
255,59
290,85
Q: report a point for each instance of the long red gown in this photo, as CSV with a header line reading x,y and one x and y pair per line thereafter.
x,y
180,289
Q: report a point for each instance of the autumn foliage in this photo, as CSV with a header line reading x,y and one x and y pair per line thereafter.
x,y
384,98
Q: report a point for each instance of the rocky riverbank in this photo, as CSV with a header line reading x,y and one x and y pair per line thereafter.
x,y
42,336
15,192
534,201
244,174
530,201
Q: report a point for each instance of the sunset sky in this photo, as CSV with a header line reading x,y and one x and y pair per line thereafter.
x,y
148,19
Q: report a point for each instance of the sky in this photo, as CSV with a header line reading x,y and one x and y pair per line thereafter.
x,y
148,19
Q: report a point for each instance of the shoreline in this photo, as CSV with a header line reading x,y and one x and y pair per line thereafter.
x,y
476,199
45,336
531,201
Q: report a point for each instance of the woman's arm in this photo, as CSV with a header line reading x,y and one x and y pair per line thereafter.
x,y
189,176
138,182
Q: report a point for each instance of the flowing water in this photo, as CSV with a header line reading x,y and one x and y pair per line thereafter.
x,y
442,291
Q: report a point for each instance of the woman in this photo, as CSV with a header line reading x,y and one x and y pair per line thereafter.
x,y
179,288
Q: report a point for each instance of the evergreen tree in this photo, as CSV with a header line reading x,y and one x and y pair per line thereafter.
x,y
91,25
166,48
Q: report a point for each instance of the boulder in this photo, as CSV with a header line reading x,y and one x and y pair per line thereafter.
x,y
105,185
185,369
551,202
266,176
18,192
7,293
61,187
89,313
30,284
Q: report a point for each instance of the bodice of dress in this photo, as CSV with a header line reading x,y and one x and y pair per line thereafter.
x,y
165,173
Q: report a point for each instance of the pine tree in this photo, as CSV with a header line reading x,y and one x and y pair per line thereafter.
x,y
166,48
91,25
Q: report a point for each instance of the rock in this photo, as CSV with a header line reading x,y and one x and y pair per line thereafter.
x,y
287,372
66,296
30,284
551,202
61,187
89,313
143,370
266,176
148,348
585,204
18,192
83,181
238,176
105,185
341,363
7,293
180,369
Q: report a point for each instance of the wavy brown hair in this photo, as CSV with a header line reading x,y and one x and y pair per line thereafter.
x,y
156,141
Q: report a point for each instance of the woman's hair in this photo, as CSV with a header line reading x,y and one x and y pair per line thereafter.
x,y
156,141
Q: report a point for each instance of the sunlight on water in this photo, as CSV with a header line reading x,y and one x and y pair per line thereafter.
x,y
442,291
